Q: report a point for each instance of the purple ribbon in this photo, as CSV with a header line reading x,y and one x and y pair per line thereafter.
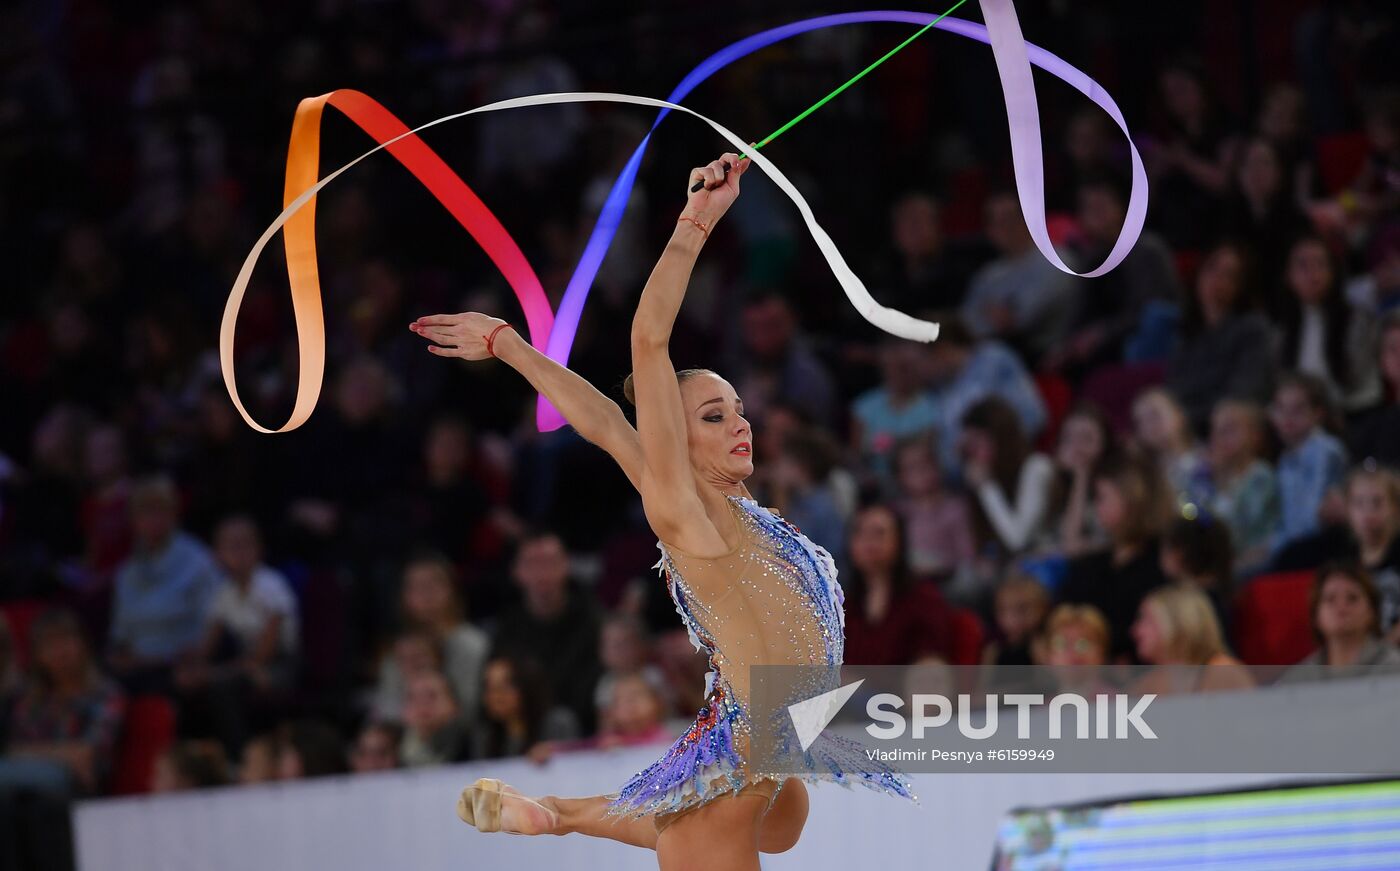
x,y
1014,57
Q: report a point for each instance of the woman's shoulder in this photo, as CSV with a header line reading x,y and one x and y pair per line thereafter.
x,y
734,507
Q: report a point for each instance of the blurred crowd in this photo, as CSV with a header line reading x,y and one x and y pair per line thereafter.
x,y
1077,471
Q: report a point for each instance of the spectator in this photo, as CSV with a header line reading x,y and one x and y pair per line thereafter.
x,y
105,510
923,269
1346,621
416,650
430,601
1324,335
1075,647
1371,195
623,652
259,761
1371,537
1234,483
1011,482
1373,514
555,624
801,488
1313,462
1020,297
46,538
376,748
1088,148
250,642
163,592
450,507
778,363
309,748
1021,605
892,616
433,733
516,712
526,146
62,734
1086,437
1262,212
1161,428
1123,314
1196,550
63,727
1190,165
1132,507
1377,291
634,713
1281,122
937,519
1227,347
1376,432
897,409
965,372
1176,627
190,765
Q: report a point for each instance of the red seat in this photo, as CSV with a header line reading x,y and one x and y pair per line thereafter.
x,y
1187,262
1273,621
968,637
19,615
148,731
1114,387
1340,158
1057,395
1061,227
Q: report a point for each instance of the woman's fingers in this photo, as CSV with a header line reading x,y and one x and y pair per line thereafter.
x,y
696,174
438,320
721,171
440,335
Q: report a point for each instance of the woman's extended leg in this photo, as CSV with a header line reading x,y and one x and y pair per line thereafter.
x,y
783,823
586,816
551,815
723,833
777,829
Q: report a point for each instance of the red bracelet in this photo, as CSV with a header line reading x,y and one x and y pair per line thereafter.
x,y
703,228
491,338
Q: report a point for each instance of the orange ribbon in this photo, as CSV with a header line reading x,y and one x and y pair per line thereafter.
x,y
299,236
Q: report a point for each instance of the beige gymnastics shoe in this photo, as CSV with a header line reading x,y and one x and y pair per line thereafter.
x,y
484,805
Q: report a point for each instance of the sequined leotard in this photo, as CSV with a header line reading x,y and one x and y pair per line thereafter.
x,y
772,600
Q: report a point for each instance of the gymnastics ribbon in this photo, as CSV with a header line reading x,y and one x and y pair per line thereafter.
x,y
1013,58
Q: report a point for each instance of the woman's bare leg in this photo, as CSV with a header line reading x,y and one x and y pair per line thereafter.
x,y
586,816
783,823
721,834
777,830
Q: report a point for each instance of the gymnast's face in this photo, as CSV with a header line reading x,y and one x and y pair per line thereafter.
x,y
719,438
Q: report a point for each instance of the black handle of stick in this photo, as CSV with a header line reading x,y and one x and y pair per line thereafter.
x,y
699,184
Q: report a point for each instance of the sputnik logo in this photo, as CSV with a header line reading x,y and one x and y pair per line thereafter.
x,y
810,717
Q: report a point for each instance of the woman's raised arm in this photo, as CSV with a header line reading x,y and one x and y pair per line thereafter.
x,y
669,496
593,415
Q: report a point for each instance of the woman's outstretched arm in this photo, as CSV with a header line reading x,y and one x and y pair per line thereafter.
x,y
593,415
669,494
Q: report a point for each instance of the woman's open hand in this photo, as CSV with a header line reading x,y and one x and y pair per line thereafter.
x,y
720,188
460,335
